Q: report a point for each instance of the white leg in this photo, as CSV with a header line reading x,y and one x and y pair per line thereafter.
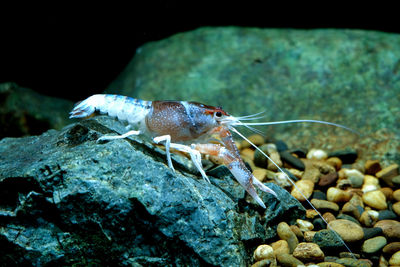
x,y
167,139
194,155
113,137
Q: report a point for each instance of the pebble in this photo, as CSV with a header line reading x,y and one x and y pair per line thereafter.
x,y
396,208
311,214
356,181
308,252
296,230
309,235
288,260
293,161
391,228
256,139
318,154
388,173
352,172
396,180
350,262
388,192
327,239
285,233
348,230
280,247
386,215
335,162
261,161
264,263
247,152
371,183
372,232
391,248
375,199
372,167
347,156
328,179
324,204
318,224
369,217
306,187
356,211
348,217
319,195
281,145
337,195
396,195
304,225
263,252
329,264
328,217
374,244
395,259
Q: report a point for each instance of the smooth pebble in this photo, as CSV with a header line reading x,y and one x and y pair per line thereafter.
x,y
395,259
374,244
375,199
396,208
369,217
324,204
285,233
391,248
306,188
390,228
304,225
280,247
288,260
337,195
348,231
372,167
263,252
318,154
396,195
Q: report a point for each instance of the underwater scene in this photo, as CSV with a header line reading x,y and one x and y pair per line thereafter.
x,y
217,146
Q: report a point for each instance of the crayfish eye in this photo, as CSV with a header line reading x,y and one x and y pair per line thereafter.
x,y
218,114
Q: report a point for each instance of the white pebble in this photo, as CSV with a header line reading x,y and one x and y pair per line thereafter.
x,y
317,154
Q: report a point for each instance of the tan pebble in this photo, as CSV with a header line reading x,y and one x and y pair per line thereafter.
x,y
396,195
311,214
391,248
308,252
285,233
280,247
263,252
247,152
335,162
352,206
374,244
309,235
337,195
288,260
388,173
372,167
296,173
371,183
388,192
318,154
296,230
329,264
306,187
396,208
348,230
342,174
324,204
383,262
304,225
344,184
256,139
275,158
390,228
260,174
244,144
312,174
369,217
395,259
375,199
265,263
328,217
353,172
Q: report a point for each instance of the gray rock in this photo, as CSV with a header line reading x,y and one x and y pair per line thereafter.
x,y
293,74
326,239
66,199
25,112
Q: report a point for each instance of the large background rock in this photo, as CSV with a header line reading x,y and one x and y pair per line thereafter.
x,y
345,76
65,199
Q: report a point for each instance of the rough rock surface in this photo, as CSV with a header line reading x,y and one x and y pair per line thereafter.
x,y
25,112
65,199
350,77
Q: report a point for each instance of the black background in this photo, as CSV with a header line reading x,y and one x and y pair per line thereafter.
x,y
72,52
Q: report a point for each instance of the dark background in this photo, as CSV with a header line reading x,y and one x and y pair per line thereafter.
x,y
72,52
